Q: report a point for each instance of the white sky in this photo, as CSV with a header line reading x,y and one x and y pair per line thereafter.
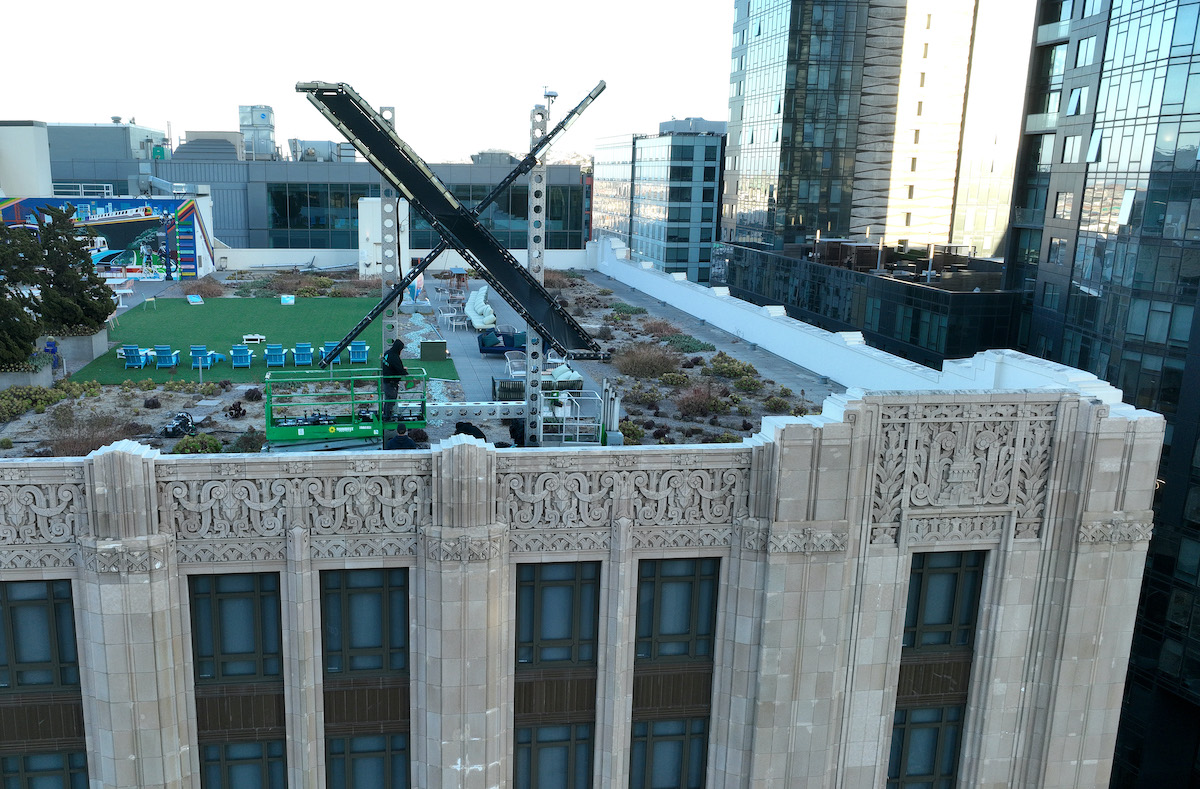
x,y
462,74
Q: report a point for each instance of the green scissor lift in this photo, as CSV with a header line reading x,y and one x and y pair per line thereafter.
x,y
318,409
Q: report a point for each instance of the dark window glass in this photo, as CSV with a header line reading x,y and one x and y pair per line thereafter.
x,y
368,762
45,771
925,744
677,609
943,600
339,207
553,757
297,206
243,765
668,754
364,617
236,630
557,613
277,205
683,152
37,635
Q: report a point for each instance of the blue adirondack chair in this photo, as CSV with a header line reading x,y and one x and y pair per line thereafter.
x,y
133,356
328,349
240,356
302,354
275,355
203,359
165,357
358,352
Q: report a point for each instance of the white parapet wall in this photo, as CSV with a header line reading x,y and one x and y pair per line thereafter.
x,y
250,259
844,356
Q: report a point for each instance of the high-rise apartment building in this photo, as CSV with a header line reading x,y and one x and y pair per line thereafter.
x,y
869,118
1106,245
659,194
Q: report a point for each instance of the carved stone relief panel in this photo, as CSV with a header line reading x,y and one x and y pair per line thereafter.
x,y
700,488
42,503
1116,530
963,454
210,502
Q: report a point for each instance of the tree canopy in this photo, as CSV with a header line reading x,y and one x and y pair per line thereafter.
x,y
47,284
20,258
73,294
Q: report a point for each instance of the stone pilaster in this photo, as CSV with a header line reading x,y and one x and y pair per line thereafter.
x,y
131,636
739,661
462,657
614,668
303,702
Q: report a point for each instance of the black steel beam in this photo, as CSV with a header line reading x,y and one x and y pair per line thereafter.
x,y
459,228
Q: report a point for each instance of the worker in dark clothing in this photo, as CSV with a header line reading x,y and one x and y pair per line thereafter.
x,y
393,371
402,440
516,431
468,429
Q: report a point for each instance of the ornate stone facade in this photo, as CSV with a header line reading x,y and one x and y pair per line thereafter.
x,y
814,522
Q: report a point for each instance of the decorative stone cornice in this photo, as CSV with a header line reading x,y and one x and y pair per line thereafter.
x,y
462,549
363,547
1115,531
551,540
120,559
208,551
39,557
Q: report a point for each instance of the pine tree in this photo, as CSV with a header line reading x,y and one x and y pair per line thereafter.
x,y
20,262
74,296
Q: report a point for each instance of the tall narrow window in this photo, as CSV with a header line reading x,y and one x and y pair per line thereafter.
x,y
364,623
925,748
557,613
939,635
943,599
37,635
364,619
668,754
1085,52
1064,203
677,609
553,756
1095,147
676,623
1070,153
1077,102
557,629
235,627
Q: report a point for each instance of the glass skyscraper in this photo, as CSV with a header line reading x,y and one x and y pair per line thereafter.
x,y
1106,246
872,118
659,194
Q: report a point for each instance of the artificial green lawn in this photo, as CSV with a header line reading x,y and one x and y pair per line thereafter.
x,y
220,324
